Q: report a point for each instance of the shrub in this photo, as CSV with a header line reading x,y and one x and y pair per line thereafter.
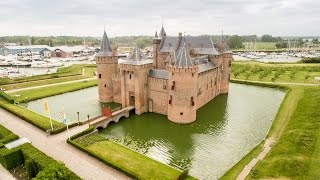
x,y
56,171
183,175
11,158
32,168
6,97
310,60
87,131
6,135
307,76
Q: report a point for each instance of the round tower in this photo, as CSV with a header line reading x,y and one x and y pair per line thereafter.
x,y
183,76
107,63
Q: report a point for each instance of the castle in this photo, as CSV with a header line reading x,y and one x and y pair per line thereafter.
x,y
186,72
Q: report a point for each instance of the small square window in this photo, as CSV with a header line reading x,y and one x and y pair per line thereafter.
x,y
99,76
181,114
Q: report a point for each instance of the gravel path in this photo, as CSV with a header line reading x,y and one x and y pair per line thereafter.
x,y
55,146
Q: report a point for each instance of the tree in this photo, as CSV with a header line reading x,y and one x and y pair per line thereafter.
x,y
235,42
267,38
143,42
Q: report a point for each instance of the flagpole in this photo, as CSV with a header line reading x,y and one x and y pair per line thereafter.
x,y
50,121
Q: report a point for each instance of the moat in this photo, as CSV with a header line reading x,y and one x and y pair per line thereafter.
x,y
226,129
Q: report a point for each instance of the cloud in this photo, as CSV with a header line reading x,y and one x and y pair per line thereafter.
x,y
143,17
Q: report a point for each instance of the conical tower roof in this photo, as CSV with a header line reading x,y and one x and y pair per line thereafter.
x,y
105,49
162,32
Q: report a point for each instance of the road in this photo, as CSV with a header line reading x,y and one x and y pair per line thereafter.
x,y
48,85
55,146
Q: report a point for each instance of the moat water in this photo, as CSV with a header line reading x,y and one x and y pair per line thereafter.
x,y
226,129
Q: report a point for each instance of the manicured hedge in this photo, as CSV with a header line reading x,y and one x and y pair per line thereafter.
x,y
310,60
33,118
11,158
87,131
6,136
6,97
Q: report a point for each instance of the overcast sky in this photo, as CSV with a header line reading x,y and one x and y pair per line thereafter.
x,y
143,17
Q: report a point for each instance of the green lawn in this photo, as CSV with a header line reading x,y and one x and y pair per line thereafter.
x,y
298,73
71,73
132,163
38,120
297,153
33,94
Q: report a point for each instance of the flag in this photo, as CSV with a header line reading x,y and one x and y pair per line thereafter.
x,y
65,121
46,106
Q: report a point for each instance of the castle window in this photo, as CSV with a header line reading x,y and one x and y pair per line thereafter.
x,y
105,85
229,63
229,76
173,85
192,101
207,86
170,100
181,114
164,87
99,76
130,76
215,82
192,74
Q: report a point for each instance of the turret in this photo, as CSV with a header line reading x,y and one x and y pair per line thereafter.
x,y
225,59
156,44
107,62
183,75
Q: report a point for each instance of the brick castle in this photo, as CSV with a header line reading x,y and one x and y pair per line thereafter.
x,y
186,72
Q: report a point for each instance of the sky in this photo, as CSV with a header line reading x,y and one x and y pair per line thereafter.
x,y
144,17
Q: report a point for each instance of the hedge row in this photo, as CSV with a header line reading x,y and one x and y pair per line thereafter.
x,y
182,175
38,164
6,136
310,60
6,97
33,118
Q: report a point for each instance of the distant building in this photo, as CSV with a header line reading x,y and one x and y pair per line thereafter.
x,y
14,50
186,72
72,51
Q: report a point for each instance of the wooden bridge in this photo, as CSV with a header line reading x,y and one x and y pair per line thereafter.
x,y
102,121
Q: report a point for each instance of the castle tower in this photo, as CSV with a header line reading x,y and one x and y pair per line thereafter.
x,y
134,76
225,59
183,76
107,62
156,46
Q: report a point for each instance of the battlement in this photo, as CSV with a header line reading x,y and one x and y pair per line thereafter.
x,y
106,60
191,69
134,66
116,77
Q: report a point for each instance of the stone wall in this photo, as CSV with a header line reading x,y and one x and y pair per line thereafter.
x,y
207,87
158,95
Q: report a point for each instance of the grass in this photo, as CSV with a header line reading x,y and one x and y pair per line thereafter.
x,y
6,135
65,74
296,154
38,120
122,158
33,94
296,73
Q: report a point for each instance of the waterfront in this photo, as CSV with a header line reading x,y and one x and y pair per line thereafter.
x,y
226,128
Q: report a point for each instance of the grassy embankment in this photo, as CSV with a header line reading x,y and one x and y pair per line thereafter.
x,y
33,94
124,159
295,73
34,163
291,128
64,74
296,155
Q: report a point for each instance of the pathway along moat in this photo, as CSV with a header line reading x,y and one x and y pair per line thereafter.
x,y
226,129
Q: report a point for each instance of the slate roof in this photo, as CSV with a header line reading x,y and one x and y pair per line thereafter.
x,y
105,49
206,66
200,44
181,57
162,33
136,57
157,73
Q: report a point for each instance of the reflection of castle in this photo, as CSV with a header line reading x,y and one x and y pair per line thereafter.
x,y
186,73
